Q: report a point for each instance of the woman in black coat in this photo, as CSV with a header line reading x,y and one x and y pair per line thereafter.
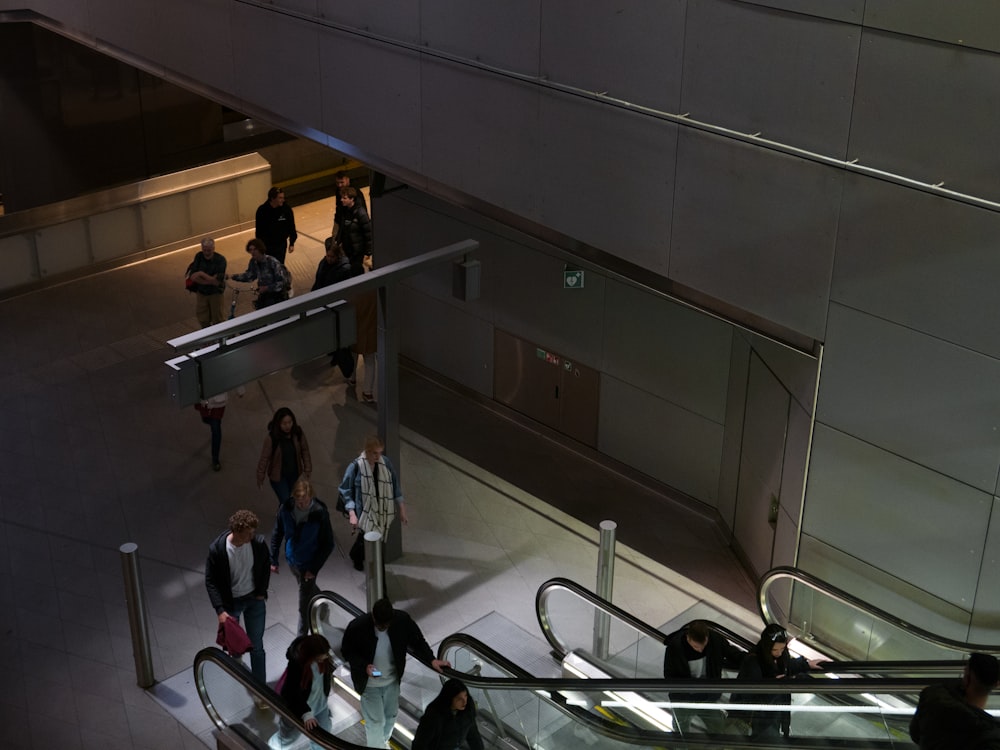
x,y
449,721
305,685
769,660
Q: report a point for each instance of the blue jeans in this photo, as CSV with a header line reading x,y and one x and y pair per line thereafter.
x,y
379,706
215,425
254,613
282,488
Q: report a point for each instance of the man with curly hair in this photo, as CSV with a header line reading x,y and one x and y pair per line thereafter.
x,y
237,574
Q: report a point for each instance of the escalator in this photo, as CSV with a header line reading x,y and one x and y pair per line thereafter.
x,y
846,708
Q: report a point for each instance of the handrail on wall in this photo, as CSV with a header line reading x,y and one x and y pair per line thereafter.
x,y
839,595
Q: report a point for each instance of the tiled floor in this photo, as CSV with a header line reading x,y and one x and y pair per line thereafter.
x,y
96,456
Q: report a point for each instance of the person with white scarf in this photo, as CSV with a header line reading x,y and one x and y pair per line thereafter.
x,y
372,496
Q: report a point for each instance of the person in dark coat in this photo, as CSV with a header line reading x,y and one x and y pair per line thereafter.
x,y
769,660
334,268
304,522
449,721
236,577
306,685
274,223
374,647
355,231
285,456
951,715
695,652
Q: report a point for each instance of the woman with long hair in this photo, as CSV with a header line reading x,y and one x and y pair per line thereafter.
x,y
306,685
285,454
770,660
449,721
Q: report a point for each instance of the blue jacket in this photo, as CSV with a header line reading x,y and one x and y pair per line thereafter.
x,y
307,544
350,485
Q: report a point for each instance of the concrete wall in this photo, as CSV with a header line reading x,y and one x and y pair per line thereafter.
x,y
897,279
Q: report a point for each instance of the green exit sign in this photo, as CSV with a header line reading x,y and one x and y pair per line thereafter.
x,y
572,279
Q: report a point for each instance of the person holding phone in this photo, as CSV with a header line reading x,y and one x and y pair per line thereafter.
x,y
374,646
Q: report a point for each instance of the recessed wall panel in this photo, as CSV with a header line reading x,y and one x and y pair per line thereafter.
x,y
756,229
115,233
795,370
630,50
593,190
282,80
131,26
62,247
729,474
19,261
369,95
166,219
986,612
667,349
922,398
531,302
793,467
902,518
438,336
904,598
214,206
920,260
660,439
501,34
922,110
203,50
479,134
787,76
968,23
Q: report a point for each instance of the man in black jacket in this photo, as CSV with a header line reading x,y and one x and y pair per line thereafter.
x,y
237,574
696,652
274,223
355,230
375,647
953,716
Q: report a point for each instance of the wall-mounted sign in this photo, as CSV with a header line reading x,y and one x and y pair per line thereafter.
x,y
572,279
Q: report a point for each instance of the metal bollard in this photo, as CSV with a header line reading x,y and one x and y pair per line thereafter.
x,y
138,618
374,567
605,586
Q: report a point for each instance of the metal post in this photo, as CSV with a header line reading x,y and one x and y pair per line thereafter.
x,y
138,618
374,567
605,586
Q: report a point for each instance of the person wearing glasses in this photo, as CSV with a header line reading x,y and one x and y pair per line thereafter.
x,y
695,652
770,660
375,646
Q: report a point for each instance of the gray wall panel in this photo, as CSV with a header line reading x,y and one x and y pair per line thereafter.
x,y
479,135
922,398
798,87
796,371
793,468
502,34
842,10
729,473
203,50
755,228
928,111
630,49
667,349
377,103
133,25
970,23
870,584
530,302
986,613
284,83
457,345
895,246
761,462
659,439
594,193
399,19
936,526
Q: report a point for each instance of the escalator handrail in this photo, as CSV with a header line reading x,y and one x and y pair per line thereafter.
x,y
235,669
561,649
839,595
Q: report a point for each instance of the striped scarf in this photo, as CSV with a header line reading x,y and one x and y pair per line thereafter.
x,y
378,507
